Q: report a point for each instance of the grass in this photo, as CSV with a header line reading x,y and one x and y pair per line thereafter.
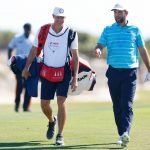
x,y
89,126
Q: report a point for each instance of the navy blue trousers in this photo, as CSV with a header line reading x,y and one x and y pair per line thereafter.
x,y
122,86
19,88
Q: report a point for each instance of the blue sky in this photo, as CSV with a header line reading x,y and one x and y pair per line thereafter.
x,y
84,15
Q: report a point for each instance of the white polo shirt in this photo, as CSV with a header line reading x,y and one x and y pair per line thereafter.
x,y
21,44
56,45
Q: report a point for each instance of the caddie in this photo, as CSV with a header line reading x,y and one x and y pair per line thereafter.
x,y
55,72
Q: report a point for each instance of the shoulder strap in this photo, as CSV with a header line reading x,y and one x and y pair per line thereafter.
x,y
42,37
71,37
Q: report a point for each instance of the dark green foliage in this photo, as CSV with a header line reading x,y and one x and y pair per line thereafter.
x,y
87,43
5,37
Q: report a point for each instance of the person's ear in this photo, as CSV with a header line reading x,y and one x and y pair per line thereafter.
x,y
126,12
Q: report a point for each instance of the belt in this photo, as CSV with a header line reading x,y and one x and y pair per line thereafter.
x,y
120,69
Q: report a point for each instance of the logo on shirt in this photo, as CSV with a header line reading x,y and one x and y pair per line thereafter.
x,y
53,46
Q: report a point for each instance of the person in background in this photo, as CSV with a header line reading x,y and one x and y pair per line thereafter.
x,y
123,41
56,57
22,45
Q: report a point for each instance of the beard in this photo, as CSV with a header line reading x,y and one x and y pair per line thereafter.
x,y
120,20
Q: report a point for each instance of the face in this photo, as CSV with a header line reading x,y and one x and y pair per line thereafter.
x,y
27,31
59,20
120,16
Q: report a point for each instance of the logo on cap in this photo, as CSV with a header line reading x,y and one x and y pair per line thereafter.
x,y
61,10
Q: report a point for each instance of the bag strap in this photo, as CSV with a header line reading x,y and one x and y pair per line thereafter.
x,y
71,37
42,37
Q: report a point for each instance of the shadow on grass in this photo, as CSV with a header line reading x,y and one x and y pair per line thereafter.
x,y
36,145
15,144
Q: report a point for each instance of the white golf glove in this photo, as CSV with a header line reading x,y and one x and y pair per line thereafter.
x,y
147,78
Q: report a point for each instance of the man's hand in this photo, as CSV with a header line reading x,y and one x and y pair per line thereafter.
x,y
147,78
25,73
74,84
97,52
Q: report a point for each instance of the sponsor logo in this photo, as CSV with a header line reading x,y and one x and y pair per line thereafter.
x,y
61,10
44,72
53,46
58,74
83,77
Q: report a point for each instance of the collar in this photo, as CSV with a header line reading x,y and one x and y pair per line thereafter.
x,y
59,33
117,24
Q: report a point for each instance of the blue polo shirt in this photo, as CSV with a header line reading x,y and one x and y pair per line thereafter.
x,y
122,45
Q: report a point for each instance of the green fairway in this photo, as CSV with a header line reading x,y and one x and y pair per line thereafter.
x,y
89,126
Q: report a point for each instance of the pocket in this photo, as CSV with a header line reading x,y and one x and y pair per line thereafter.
x,y
52,74
107,72
133,74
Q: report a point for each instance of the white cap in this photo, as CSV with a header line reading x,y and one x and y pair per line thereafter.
x,y
118,7
59,12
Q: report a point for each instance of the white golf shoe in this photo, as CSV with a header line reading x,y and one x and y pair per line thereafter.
x,y
119,142
125,139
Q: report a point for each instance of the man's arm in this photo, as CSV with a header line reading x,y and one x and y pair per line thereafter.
x,y
145,57
75,58
10,52
32,55
97,50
